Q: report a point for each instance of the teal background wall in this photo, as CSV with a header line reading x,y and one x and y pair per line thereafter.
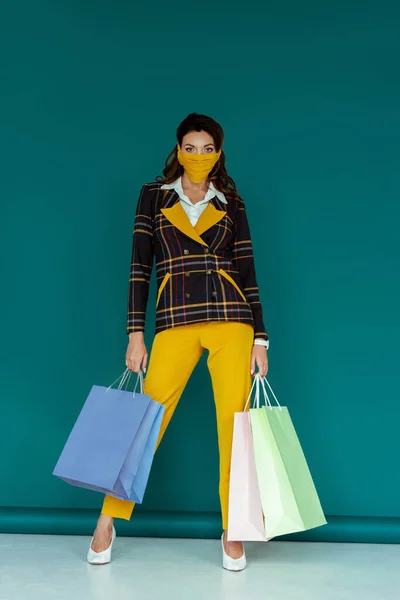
x,y
309,97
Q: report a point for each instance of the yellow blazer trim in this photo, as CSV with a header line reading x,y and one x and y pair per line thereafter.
x,y
209,217
162,286
179,219
233,282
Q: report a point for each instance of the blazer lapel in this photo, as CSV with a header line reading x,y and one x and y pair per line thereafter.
x,y
179,219
209,217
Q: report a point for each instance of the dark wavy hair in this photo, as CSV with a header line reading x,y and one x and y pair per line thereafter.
x,y
218,175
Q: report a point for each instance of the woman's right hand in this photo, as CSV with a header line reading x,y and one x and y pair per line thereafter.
x,y
136,353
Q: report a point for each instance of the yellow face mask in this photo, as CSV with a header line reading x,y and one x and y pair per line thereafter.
x,y
197,166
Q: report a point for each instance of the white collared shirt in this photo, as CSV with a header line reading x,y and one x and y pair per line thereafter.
x,y
194,211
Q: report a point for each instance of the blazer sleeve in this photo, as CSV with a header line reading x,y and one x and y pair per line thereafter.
x,y
243,258
141,263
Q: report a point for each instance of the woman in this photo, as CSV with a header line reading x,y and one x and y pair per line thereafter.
x,y
194,223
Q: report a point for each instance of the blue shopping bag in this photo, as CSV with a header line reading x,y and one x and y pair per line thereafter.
x,y
112,444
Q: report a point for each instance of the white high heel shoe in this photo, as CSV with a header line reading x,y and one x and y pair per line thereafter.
x,y
101,558
232,564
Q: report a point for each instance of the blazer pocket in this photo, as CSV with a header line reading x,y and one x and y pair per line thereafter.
x,y
233,282
162,286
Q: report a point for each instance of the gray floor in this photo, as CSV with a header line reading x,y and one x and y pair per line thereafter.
x,y
54,567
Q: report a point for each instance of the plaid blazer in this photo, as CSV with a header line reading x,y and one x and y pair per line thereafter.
x,y
204,273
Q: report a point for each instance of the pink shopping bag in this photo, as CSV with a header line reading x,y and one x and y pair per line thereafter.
x,y
245,517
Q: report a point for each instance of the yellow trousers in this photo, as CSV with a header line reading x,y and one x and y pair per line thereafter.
x,y
175,353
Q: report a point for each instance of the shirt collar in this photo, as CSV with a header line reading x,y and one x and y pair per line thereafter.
x,y
211,192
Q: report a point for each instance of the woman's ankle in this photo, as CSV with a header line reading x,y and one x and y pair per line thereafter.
x,y
105,521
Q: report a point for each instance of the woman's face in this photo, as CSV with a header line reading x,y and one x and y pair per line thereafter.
x,y
198,142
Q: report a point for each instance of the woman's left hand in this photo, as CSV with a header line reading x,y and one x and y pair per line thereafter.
x,y
259,358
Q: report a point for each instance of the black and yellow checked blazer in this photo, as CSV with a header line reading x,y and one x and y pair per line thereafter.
x,y
204,273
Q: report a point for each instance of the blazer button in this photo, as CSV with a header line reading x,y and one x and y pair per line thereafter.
x,y
186,251
208,272
206,250
187,273
187,295
214,293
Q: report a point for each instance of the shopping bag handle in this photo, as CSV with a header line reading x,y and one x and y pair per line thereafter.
x,y
248,404
266,397
126,375
138,378
258,380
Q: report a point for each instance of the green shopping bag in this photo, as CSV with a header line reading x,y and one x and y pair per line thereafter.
x,y
288,496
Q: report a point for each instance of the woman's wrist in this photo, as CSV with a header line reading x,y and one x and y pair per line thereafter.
x,y
261,342
136,335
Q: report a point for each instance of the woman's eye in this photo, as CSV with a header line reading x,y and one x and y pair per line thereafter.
x,y
190,150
